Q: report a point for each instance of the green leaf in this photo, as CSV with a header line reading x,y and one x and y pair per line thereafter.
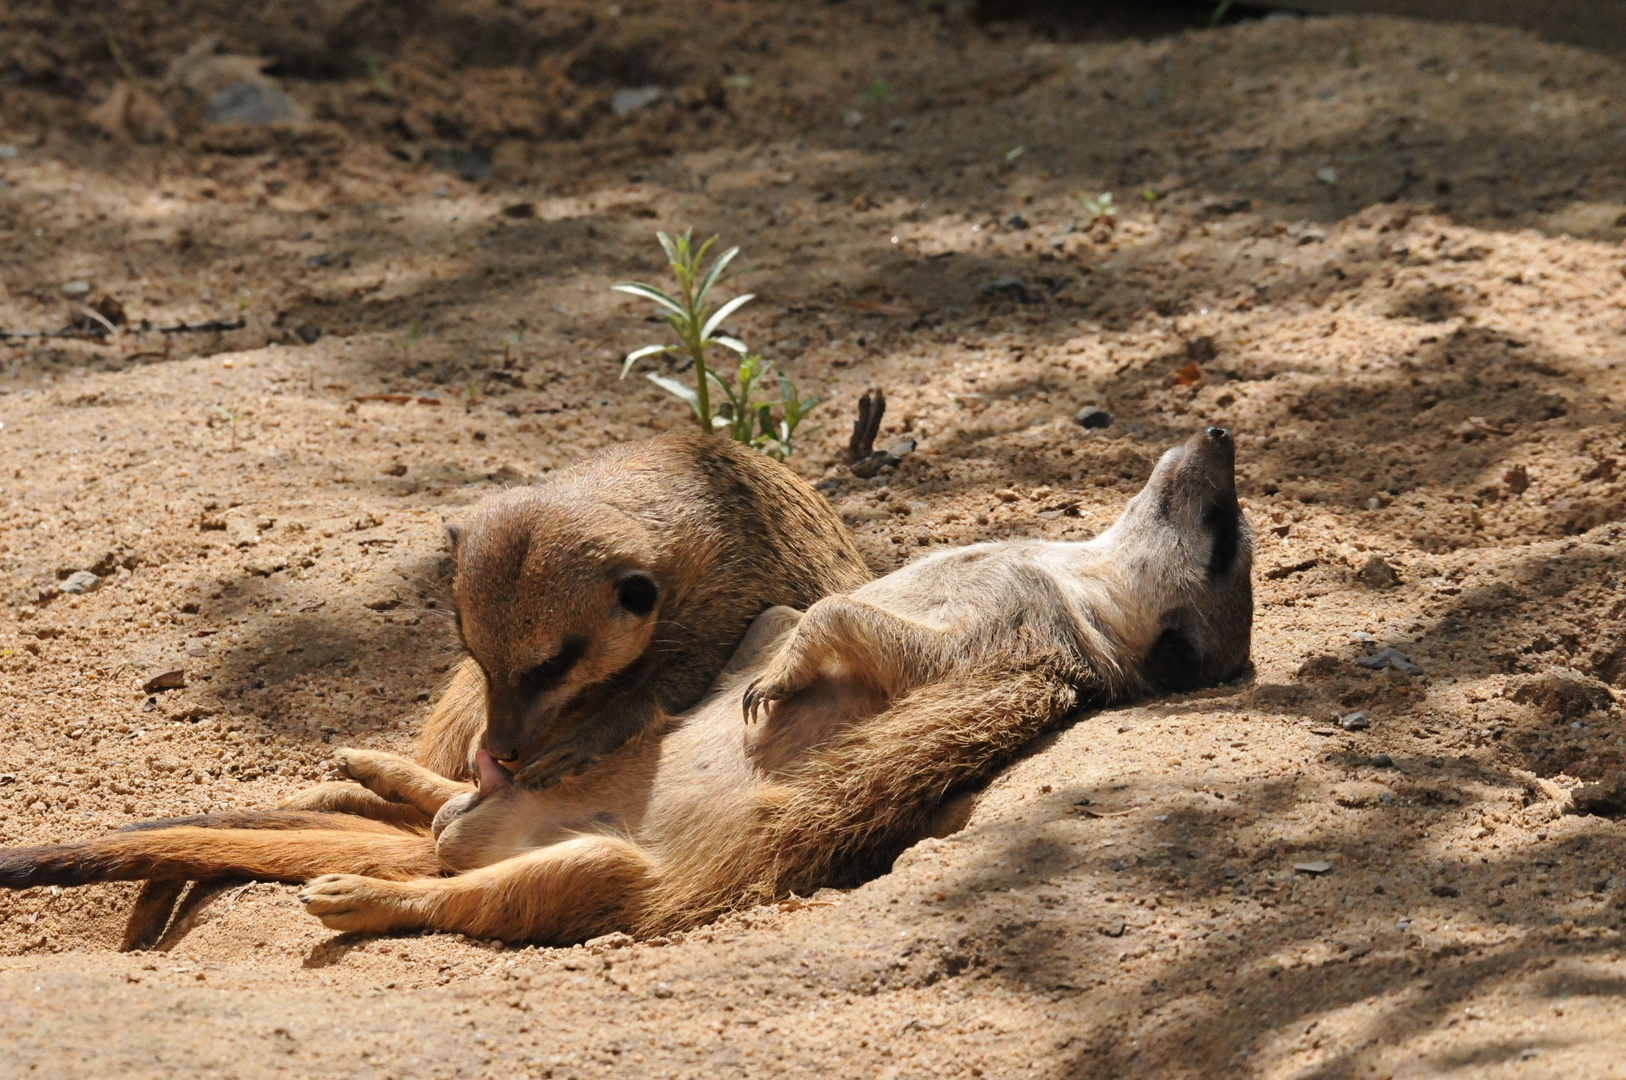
x,y
649,292
669,246
638,354
677,390
700,256
724,312
712,274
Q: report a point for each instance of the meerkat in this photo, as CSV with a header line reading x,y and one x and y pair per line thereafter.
x,y
612,594
827,744
592,605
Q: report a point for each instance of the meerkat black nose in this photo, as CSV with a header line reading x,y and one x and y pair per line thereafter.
x,y
1218,434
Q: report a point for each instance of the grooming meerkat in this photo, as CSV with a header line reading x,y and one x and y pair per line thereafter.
x,y
612,594
868,711
592,605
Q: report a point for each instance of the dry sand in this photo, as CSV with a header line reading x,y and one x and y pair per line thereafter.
x,y
1390,249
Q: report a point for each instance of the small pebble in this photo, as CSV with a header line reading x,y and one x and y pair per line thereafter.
x,y
1017,222
7,152
1378,574
169,679
1355,721
79,582
1320,866
1383,761
1011,286
1390,657
1327,176
76,288
630,99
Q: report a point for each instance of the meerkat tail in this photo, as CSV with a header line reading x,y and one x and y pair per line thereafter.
x,y
192,852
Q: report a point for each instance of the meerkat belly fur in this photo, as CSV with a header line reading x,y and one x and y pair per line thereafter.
x,y
831,737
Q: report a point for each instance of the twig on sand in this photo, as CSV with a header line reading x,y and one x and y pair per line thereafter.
x,y
100,329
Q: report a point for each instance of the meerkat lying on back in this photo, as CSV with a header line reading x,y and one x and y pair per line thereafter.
x,y
869,710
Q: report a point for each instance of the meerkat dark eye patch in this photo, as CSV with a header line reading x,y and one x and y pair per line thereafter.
x,y
546,675
637,593
1224,525
1173,662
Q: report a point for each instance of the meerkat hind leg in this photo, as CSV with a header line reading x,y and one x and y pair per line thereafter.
x,y
884,650
399,779
348,797
558,894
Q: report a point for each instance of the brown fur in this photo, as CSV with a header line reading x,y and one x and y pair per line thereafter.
x,y
872,709
722,533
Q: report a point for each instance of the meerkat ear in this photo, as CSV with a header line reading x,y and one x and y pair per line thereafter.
x,y
454,536
637,593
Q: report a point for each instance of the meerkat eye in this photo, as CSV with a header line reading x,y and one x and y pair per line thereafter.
x,y
637,593
545,675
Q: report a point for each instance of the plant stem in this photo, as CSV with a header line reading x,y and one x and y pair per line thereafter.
x,y
697,349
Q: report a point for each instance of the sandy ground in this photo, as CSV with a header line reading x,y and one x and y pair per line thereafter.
x,y
1385,253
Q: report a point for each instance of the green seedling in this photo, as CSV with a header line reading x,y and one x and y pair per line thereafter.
x,y
231,419
1100,210
511,344
376,77
414,332
879,92
699,329
752,422
1221,9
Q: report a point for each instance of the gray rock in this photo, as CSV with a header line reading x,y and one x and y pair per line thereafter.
x,y
1390,658
880,460
869,466
7,152
1017,222
80,581
1320,866
1383,761
251,101
629,99
1355,721
1092,417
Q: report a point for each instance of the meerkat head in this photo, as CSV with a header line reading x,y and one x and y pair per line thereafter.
x,y
555,600
1186,556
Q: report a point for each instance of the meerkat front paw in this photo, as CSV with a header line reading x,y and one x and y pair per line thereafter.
x,y
783,679
355,904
